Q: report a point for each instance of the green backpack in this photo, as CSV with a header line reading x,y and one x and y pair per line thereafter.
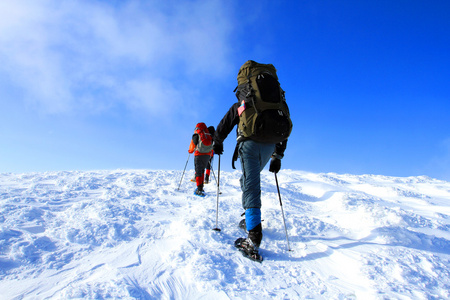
x,y
263,112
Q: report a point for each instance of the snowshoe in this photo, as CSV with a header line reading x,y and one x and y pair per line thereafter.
x,y
248,250
199,193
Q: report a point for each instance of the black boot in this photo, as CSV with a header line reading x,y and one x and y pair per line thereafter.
x,y
255,235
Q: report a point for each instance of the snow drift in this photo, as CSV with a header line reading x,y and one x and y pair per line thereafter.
x,y
130,234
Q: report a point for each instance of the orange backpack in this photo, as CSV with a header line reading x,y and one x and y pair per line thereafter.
x,y
205,141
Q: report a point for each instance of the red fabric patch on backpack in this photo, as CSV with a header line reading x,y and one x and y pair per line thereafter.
x,y
241,108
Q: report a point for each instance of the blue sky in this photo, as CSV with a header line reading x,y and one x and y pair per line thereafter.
x,y
88,85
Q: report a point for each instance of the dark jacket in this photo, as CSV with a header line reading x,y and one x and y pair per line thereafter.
x,y
230,120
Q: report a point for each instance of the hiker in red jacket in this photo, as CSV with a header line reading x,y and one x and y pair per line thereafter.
x,y
201,145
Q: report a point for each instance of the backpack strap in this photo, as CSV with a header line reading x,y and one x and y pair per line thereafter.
x,y
236,150
235,155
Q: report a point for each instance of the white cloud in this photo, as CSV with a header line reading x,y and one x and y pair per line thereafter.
x,y
153,95
80,55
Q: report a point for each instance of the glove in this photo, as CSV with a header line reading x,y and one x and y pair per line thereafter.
x,y
218,148
275,165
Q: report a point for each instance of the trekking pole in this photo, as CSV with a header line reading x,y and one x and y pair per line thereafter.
x,y
212,170
217,205
183,172
214,174
282,212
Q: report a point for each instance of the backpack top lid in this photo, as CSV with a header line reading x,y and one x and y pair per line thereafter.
x,y
251,68
201,126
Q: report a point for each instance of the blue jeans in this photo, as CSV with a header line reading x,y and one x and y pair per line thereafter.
x,y
254,157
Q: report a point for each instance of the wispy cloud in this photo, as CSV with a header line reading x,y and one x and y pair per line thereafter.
x,y
70,56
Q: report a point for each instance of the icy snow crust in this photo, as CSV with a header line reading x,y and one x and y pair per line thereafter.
x,y
130,234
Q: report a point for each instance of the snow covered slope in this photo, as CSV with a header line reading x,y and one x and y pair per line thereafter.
x,y
130,234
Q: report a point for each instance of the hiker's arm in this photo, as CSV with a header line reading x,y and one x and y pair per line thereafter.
x,y
194,143
191,147
227,124
195,139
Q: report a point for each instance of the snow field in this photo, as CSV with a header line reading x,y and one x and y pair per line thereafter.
x,y
130,234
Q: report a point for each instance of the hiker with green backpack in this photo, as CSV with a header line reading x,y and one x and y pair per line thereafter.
x,y
263,126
